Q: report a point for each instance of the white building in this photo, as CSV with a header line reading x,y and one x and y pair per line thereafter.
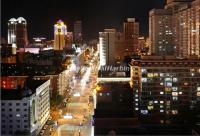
x,y
107,47
25,111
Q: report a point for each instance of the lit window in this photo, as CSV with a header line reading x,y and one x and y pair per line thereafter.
x,y
174,112
174,93
150,75
168,79
174,88
136,109
161,74
100,94
155,101
180,93
150,107
161,106
136,100
144,70
175,80
144,112
169,84
168,89
150,102
162,102
136,95
198,93
144,80
161,121
18,115
161,92
198,89
175,98
161,110
155,74
161,83
136,104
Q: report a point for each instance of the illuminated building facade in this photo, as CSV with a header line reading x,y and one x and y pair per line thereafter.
x,y
78,32
164,88
17,32
12,31
175,29
28,109
107,47
131,34
160,32
60,32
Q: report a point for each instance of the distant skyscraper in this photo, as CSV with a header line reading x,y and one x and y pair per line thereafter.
x,y
78,32
60,32
131,34
12,31
107,47
17,32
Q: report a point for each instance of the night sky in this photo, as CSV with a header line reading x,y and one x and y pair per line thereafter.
x,y
96,15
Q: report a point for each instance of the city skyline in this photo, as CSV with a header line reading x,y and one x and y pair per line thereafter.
x,y
113,14
95,68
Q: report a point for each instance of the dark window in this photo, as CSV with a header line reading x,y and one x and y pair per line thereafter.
x,y
3,132
25,115
18,126
10,104
10,115
18,121
25,121
10,121
25,109
10,132
3,121
10,109
3,126
2,109
2,104
25,104
3,115
10,126
17,104
25,126
17,109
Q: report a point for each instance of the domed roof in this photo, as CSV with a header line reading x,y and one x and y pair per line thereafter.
x,y
21,19
12,20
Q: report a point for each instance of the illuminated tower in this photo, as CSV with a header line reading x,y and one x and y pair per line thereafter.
x,y
17,32
60,32
12,31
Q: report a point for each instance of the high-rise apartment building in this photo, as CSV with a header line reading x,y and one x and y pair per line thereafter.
x,y
60,32
165,87
160,31
78,32
107,47
178,22
17,32
131,34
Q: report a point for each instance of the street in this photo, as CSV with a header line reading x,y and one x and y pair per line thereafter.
x,y
76,118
